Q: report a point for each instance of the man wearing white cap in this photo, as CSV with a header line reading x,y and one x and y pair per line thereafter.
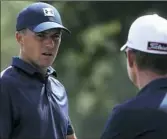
x,y
144,116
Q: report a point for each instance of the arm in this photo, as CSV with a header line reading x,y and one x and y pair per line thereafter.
x,y
71,136
5,112
70,131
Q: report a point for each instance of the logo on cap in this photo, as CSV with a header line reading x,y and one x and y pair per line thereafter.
x,y
157,46
48,11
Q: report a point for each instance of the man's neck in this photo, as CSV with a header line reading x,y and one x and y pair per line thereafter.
x,y
43,71
145,77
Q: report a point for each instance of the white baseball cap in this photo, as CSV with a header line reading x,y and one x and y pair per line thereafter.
x,y
148,34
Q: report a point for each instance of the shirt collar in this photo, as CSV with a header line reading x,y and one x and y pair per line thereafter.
x,y
157,84
19,63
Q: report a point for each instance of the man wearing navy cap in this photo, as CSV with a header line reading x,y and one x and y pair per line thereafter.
x,y
33,103
145,115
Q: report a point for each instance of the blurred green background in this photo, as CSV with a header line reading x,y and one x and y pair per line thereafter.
x,y
89,63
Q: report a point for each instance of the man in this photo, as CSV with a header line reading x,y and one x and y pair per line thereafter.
x,y
144,116
33,103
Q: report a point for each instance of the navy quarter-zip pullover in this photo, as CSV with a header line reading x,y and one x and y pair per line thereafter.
x,y
135,116
32,106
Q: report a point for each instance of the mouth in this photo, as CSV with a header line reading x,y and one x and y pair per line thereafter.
x,y
47,54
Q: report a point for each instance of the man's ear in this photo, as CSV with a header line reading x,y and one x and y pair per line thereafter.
x,y
19,38
131,58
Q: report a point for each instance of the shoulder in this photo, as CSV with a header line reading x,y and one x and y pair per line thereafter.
x,y
132,103
141,101
6,72
115,120
58,88
7,81
131,122
135,103
56,83
7,76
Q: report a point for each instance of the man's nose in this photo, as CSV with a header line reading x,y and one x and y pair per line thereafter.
x,y
48,41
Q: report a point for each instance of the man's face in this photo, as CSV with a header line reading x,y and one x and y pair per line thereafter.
x,y
39,49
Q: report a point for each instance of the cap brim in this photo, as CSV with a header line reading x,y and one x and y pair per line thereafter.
x,y
123,47
46,26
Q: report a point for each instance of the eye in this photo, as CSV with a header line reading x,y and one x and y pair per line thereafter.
x,y
56,36
40,35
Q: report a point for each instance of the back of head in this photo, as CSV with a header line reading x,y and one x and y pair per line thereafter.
x,y
147,38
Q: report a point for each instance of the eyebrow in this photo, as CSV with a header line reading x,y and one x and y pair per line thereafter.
x,y
52,31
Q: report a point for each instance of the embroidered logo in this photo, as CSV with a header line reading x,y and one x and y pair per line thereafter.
x,y
157,46
48,12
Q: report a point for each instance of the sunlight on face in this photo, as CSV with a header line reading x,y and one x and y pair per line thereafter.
x,y
40,49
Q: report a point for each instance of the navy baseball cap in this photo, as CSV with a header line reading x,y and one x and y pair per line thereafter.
x,y
39,17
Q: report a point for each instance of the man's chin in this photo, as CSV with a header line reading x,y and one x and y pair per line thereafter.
x,y
46,65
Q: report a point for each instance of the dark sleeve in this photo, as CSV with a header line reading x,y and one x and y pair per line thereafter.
x,y
5,112
70,129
